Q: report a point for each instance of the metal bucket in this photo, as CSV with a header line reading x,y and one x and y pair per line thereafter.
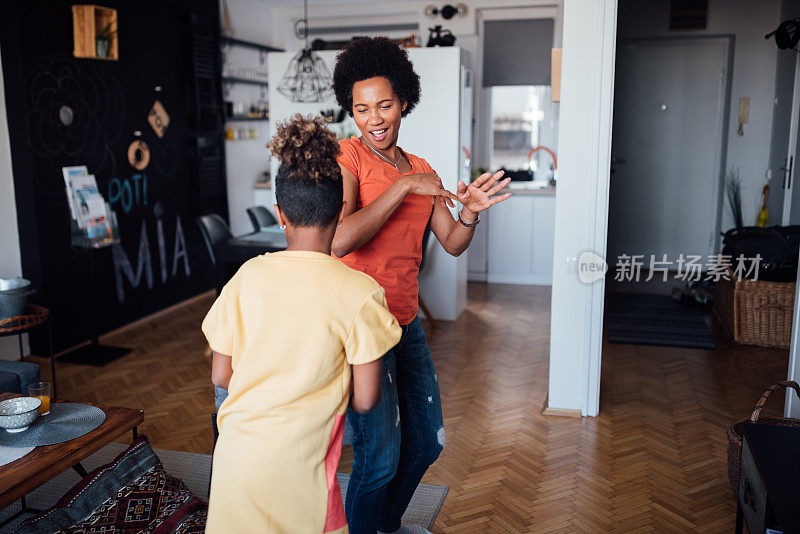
x,y
14,294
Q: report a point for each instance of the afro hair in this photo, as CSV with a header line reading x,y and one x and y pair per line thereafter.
x,y
369,57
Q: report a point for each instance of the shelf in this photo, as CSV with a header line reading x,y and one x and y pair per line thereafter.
x,y
246,119
239,42
228,79
87,21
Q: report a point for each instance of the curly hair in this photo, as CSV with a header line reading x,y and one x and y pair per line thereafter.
x,y
368,57
308,186
305,146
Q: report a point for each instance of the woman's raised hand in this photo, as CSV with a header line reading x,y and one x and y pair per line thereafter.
x,y
429,184
477,196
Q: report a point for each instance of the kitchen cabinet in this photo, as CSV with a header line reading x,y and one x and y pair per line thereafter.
x,y
515,245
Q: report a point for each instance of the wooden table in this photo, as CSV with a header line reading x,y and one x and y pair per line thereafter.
x,y
20,477
232,253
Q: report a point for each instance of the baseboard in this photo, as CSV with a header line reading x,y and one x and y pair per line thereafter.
x,y
523,280
559,412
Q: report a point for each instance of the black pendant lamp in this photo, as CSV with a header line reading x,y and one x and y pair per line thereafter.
x,y
307,78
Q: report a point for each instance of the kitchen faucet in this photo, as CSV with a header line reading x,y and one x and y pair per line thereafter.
x,y
552,155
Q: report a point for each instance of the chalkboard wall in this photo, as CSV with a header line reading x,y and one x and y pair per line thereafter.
x,y
161,259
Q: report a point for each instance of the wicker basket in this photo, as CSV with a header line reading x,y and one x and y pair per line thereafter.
x,y
34,316
755,312
735,431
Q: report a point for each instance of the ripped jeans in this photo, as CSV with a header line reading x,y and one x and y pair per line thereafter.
x,y
395,443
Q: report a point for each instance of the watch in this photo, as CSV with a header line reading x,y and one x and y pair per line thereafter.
x,y
465,223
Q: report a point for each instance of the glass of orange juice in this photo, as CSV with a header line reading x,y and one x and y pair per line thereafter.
x,y
41,390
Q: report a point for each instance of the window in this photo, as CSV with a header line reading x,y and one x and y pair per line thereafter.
x,y
517,45
523,117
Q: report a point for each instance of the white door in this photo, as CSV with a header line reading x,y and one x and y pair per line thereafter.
x,y
788,172
668,120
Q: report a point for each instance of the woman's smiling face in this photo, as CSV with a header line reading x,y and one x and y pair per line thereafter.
x,y
377,110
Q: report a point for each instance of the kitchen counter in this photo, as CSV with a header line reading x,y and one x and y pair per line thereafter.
x,y
526,190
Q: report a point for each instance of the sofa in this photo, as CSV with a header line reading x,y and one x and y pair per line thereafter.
x,y
15,376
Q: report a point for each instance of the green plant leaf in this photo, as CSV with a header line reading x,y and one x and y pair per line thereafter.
x,y
106,32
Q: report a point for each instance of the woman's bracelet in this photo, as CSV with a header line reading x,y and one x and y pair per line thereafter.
x,y
473,224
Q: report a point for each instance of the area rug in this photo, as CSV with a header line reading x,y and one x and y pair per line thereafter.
x,y
194,469
648,319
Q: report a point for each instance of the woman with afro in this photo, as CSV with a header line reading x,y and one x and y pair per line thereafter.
x,y
390,198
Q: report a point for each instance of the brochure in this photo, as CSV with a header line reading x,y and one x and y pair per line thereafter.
x,y
89,204
68,173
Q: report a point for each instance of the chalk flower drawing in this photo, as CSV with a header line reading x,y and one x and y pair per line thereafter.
x,y
95,99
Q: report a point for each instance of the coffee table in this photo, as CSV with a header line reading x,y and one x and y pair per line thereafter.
x,y
20,477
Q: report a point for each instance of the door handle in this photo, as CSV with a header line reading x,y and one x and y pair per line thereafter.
x,y
787,172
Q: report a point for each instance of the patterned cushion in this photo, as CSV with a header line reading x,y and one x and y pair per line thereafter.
x,y
132,494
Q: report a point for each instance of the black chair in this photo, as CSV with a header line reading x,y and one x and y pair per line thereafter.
x,y
214,230
425,238
260,217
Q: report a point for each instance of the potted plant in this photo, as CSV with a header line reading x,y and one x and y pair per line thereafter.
x,y
103,39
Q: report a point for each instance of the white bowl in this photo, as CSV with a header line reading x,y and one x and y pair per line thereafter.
x,y
18,413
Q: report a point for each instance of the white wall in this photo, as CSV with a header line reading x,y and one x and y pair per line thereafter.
x,y
753,76
581,221
251,20
246,159
10,262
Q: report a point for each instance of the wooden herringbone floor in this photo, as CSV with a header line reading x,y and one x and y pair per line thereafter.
x,y
653,461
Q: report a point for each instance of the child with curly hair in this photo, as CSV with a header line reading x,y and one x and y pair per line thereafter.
x,y
286,332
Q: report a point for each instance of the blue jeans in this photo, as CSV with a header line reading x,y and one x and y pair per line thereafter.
x,y
395,443
220,394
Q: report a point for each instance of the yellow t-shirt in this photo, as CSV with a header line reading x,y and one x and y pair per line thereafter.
x,y
293,323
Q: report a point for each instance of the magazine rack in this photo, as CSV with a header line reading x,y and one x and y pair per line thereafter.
x,y
96,236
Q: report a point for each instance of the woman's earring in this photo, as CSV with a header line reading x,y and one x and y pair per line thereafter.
x,y
283,227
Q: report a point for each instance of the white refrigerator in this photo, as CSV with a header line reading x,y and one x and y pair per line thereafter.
x,y
438,130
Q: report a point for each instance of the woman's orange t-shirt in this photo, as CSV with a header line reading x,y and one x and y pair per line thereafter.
x,y
393,255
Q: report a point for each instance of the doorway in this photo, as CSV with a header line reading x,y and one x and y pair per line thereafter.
x,y
670,122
